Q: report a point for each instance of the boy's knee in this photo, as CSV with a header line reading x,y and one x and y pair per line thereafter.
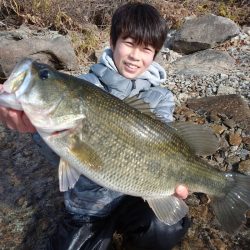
x,y
159,235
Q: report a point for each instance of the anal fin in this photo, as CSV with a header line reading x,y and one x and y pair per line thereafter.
x,y
168,209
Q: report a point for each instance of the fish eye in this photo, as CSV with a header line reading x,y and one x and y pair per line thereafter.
x,y
44,74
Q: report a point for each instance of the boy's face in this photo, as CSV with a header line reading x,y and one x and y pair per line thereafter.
x,y
130,58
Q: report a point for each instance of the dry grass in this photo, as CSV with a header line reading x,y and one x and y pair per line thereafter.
x,y
66,15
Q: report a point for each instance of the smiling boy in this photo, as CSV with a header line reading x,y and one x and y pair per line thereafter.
x,y
130,58
125,69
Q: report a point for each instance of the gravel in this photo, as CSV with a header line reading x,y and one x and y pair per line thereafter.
x,y
236,82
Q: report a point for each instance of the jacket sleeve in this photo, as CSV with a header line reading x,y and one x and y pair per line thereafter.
x,y
161,100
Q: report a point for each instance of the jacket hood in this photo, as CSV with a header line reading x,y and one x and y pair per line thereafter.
x,y
120,86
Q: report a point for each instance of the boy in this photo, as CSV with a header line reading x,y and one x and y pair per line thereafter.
x,y
126,69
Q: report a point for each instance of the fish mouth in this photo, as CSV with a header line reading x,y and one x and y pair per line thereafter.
x,y
19,79
61,132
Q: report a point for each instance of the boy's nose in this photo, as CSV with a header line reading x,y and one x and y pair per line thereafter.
x,y
135,54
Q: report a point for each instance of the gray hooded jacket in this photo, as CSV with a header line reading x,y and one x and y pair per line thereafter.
x,y
88,199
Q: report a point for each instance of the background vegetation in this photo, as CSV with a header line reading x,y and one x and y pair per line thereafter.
x,y
87,21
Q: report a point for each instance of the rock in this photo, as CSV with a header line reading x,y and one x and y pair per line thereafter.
x,y
56,50
225,90
234,159
246,29
183,97
203,32
243,153
219,244
218,129
205,62
233,106
213,117
235,139
229,123
246,140
170,55
194,244
218,158
234,148
224,145
244,167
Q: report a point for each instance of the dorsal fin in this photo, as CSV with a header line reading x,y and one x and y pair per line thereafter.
x,y
201,139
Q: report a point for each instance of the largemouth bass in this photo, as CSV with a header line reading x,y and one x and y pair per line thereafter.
x,y
121,148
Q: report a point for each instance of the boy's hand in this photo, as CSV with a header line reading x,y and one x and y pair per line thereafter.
x,y
15,119
181,191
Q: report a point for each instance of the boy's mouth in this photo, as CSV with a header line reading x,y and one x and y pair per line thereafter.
x,y
131,66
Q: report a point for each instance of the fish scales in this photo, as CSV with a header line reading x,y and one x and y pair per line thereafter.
x,y
144,149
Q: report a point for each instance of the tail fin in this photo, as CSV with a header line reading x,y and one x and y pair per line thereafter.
x,y
230,210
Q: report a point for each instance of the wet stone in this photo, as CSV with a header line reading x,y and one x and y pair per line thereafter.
x,y
231,106
233,149
218,158
229,123
218,129
244,167
246,140
224,144
235,139
243,153
5,153
219,244
232,160
213,117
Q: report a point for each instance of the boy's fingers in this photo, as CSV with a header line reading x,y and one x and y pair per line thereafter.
x,y
28,124
12,120
181,191
20,122
3,113
16,120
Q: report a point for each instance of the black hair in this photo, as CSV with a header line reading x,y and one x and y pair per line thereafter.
x,y
142,22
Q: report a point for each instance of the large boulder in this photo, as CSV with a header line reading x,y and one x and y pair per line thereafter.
x,y
203,32
48,47
205,62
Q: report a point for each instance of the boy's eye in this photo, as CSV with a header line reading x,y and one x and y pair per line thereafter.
x,y
129,43
147,49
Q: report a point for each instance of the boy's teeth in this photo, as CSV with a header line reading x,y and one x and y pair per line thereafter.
x,y
131,66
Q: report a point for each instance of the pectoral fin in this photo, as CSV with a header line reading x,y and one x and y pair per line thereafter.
x,y
85,154
168,209
68,176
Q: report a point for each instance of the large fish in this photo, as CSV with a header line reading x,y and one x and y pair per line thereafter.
x,y
120,147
